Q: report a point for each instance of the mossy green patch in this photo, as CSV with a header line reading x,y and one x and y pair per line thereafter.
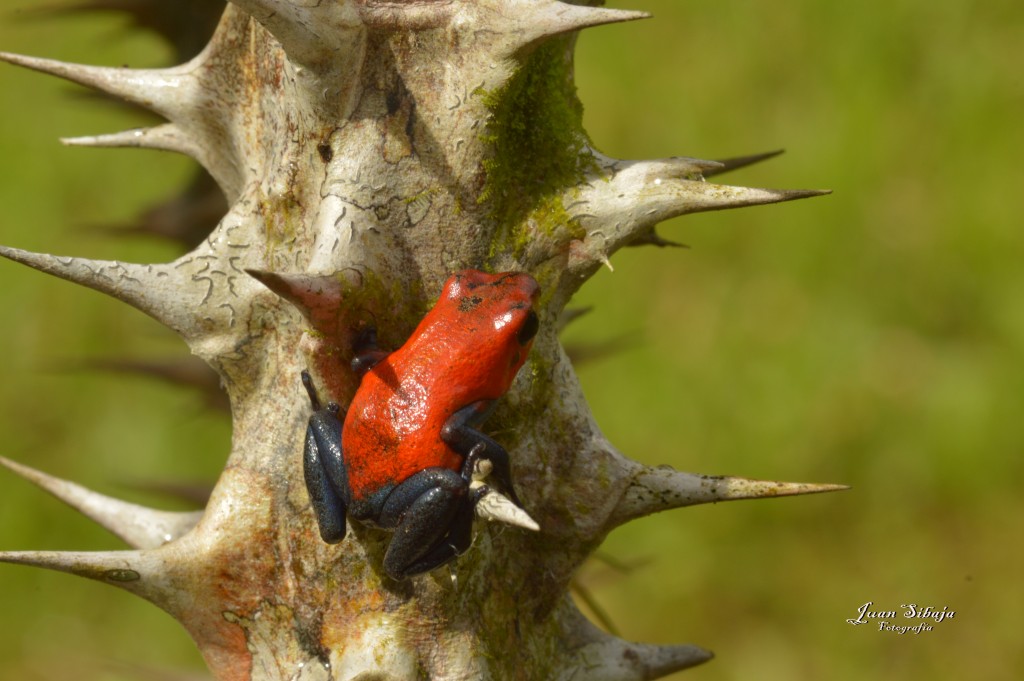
x,y
539,148
283,221
397,305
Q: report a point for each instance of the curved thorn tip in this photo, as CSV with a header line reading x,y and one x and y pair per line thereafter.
x,y
156,290
604,657
736,162
157,90
125,569
138,526
659,489
497,507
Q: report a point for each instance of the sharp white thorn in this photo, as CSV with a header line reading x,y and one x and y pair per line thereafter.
x,y
659,489
495,506
560,17
726,165
118,568
317,297
157,290
159,90
524,23
604,657
168,92
636,195
167,137
140,527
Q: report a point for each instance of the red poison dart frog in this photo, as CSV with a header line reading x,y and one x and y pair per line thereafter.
x,y
407,452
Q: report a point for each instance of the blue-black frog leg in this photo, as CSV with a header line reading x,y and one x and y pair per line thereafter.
x,y
456,542
366,354
324,466
460,433
431,513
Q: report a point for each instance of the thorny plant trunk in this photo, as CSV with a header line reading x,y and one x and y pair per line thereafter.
x,y
368,149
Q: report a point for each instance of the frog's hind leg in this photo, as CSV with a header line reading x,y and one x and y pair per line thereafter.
x,y
324,466
431,513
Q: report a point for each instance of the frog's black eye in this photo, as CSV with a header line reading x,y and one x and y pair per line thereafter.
x,y
529,328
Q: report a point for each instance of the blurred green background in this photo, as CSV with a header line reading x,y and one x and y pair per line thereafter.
x,y
873,337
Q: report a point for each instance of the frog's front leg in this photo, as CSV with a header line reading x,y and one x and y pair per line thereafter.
x,y
460,433
324,466
366,354
431,513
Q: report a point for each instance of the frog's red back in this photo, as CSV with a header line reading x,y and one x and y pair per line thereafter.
x,y
466,350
